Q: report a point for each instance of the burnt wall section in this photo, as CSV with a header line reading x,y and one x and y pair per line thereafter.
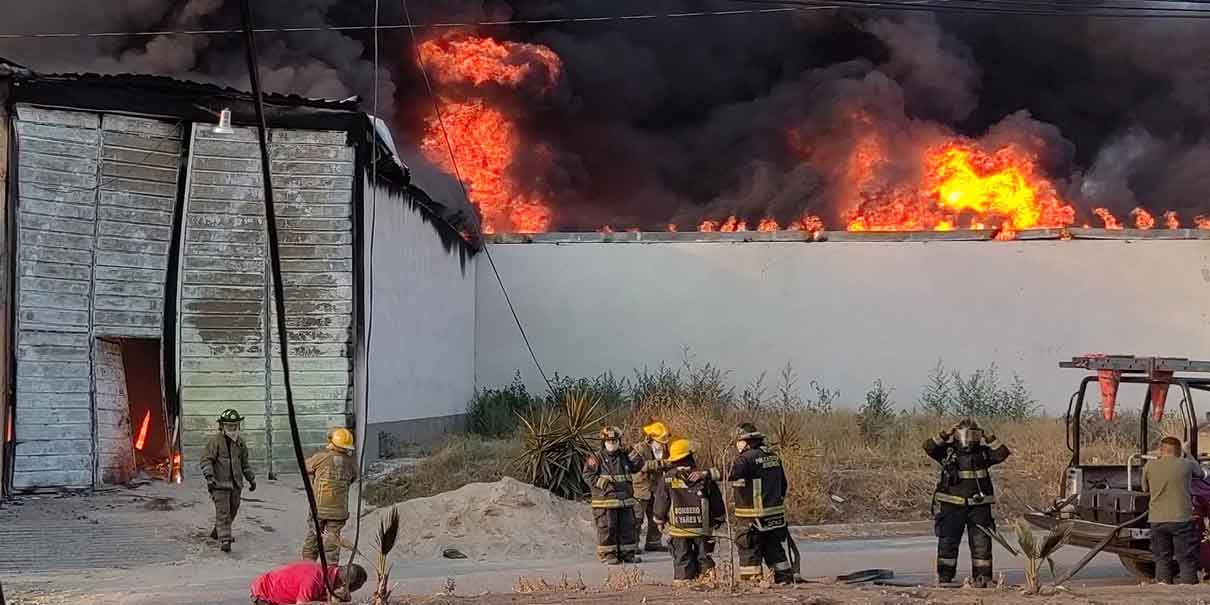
x,y
313,194
222,313
140,162
227,346
58,157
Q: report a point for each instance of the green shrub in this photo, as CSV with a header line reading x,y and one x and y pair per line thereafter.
x,y
495,412
876,416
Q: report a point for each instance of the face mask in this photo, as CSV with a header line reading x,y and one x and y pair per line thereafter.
x,y
657,448
232,433
612,446
740,446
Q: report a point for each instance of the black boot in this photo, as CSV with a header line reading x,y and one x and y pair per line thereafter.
x,y
213,533
225,546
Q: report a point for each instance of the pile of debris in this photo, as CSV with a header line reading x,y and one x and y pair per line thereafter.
x,y
505,520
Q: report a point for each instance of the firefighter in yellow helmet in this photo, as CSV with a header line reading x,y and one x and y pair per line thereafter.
x,y
652,454
332,470
608,475
689,502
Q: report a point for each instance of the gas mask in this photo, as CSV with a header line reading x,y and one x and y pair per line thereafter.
x,y
740,446
612,445
231,431
968,438
657,448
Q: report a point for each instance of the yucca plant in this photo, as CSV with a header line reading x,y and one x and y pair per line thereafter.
x,y
1035,552
557,441
388,532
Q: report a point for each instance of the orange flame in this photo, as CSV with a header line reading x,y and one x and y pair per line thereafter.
x,y
810,222
708,226
1142,218
1171,221
142,439
485,140
176,468
960,180
1201,221
671,228
1110,221
768,224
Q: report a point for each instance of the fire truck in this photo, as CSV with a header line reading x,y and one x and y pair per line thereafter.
x,y
1105,503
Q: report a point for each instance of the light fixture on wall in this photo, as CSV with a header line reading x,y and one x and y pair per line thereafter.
x,y
224,123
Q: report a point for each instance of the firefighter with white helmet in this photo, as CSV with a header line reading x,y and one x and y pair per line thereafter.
x,y
608,475
964,496
332,471
652,454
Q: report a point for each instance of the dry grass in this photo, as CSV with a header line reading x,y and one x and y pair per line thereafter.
x,y
462,459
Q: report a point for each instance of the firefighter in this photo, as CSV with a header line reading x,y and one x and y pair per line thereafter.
x,y
608,475
332,471
964,496
652,454
759,486
225,467
691,506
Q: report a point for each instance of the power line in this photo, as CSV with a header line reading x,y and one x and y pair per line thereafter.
x,y
428,85
998,7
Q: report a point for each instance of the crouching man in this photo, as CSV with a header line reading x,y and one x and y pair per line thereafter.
x,y
303,582
689,503
1174,535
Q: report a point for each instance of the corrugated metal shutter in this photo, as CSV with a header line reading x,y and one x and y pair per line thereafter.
x,y
222,328
58,168
224,321
313,191
140,161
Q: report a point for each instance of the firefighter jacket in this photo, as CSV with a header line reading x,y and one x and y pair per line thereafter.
x,y
331,473
691,509
608,475
964,474
650,473
226,461
759,485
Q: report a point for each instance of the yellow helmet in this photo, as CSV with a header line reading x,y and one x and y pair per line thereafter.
x,y
680,449
658,431
341,438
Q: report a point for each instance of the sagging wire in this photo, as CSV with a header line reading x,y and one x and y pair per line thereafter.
x,y
278,288
428,85
361,456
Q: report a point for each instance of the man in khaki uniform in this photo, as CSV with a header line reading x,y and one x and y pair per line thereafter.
x,y
1173,532
652,454
332,471
225,467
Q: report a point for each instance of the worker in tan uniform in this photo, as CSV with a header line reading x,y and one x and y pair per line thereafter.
x,y
332,471
225,467
652,454
1174,535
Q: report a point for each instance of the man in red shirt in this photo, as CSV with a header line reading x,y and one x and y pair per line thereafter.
x,y
302,582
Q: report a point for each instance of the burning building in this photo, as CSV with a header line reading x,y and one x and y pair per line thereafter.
x,y
136,280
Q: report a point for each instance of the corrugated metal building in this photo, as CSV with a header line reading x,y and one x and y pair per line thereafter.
x,y
136,303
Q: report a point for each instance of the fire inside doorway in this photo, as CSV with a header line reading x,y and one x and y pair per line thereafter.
x,y
133,439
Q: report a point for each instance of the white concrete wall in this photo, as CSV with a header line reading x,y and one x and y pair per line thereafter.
x,y
421,354
844,313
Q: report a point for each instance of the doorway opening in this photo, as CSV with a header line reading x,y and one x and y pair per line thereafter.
x,y
133,440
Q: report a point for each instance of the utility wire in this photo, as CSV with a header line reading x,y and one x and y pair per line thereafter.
x,y
1003,8
278,289
428,85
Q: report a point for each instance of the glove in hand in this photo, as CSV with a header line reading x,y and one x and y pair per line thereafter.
x,y
252,485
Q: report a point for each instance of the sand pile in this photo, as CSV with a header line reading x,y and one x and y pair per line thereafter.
x,y
504,520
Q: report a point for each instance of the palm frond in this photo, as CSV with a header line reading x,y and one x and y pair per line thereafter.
x,y
388,532
1026,539
995,535
1056,538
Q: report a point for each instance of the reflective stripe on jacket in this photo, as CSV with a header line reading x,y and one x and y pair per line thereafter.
x,y
618,467
759,484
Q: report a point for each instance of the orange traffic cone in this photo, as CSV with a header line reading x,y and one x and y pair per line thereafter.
x,y
1159,395
1108,380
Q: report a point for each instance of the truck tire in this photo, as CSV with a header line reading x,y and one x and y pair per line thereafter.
x,y
1143,570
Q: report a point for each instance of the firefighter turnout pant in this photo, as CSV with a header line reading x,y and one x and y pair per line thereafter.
x,y
756,545
331,531
644,513
226,506
950,522
617,533
690,558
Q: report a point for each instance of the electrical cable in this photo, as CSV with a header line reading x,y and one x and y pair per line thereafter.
x,y
466,193
278,287
1005,8
361,456
409,26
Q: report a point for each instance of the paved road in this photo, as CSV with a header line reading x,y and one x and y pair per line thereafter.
x,y
911,558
